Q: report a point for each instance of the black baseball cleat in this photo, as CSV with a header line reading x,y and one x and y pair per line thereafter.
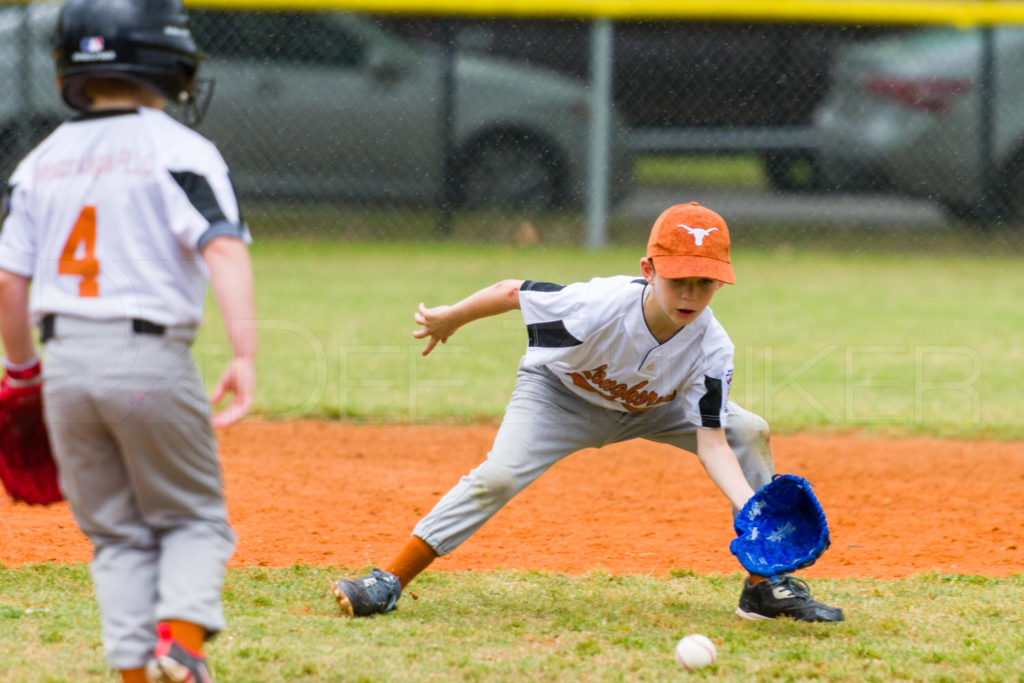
x,y
786,597
375,593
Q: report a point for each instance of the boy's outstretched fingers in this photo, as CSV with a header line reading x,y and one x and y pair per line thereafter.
x,y
430,345
420,315
423,317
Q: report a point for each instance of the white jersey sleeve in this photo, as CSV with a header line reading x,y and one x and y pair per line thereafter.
x,y
202,201
559,317
18,243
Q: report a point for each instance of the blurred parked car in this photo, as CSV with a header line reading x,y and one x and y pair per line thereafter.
x,y
682,86
904,114
328,104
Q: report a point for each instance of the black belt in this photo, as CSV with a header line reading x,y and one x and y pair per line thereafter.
x,y
139,326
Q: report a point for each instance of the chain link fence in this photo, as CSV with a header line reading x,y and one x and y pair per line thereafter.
x,y
400,127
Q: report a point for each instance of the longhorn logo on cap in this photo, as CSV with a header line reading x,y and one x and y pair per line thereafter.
x,y
698,233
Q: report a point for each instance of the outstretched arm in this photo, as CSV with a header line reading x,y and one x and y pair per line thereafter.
x,y
232,283
721,464
441,322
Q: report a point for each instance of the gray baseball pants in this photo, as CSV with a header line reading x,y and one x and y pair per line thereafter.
x,y
129,423
544,422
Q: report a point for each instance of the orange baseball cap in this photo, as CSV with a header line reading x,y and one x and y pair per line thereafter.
x,y
689,240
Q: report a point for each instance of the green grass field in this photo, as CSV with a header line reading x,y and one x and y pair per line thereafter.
x,y
503,626
875,340
891,342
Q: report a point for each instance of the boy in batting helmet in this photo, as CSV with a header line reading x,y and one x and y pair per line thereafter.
x,y
118,220
607,360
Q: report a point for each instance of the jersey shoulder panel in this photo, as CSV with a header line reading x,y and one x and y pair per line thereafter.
x,y
707,394
180,147
576,308
716,348
203,193
714,338
598,291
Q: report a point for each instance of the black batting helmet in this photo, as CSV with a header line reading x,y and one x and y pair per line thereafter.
x,y
148,41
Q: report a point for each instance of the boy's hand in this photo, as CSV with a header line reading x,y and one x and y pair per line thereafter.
x,y
437,324
238,380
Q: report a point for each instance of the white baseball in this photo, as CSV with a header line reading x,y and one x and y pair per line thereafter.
x,y
695,651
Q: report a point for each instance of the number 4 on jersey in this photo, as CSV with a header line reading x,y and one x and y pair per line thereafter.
x,y
85,266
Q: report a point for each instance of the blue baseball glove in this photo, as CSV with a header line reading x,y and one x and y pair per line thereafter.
x,y
781,528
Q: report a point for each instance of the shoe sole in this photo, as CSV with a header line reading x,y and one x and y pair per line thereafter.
x,y
343,602
752,616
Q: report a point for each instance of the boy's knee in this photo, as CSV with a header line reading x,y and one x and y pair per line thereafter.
x,y
493,486
748,428
750,438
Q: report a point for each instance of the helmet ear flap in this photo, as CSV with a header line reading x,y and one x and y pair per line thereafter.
x,y
72,91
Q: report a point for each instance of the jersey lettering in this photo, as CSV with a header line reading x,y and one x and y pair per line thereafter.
x,y
85,266
633,398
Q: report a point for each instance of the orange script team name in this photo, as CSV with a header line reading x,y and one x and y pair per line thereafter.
x,y
634,398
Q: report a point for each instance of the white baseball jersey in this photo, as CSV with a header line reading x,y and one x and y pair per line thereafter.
x,y
594,337
109,215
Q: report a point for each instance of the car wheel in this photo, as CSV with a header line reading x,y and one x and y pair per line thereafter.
x,y
792,171
509,171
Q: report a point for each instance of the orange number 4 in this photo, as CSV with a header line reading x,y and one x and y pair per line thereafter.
x,y
85,266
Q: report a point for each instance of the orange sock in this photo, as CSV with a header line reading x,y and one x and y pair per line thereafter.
x,y
413,559
188,634
133,676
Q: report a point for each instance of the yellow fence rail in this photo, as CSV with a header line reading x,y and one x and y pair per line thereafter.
x,y
956,13
851,11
